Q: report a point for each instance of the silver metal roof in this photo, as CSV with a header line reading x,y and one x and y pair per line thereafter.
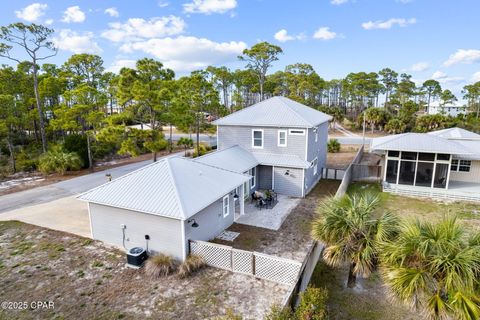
x,y
419,142
281,160
456,134
234,158
276,112
172,187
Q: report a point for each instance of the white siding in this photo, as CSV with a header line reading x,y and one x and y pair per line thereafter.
x,y
472,176
165,233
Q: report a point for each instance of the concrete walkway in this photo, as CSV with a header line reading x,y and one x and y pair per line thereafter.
x,y
66,214
268,218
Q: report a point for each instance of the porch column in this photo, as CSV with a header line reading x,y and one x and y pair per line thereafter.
x,y
242,200
448,173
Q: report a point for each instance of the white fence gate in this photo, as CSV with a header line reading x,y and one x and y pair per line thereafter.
x,y
257,264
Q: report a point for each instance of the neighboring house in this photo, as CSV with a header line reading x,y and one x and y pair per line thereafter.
x,y
449,109
441,164
277,144
287,139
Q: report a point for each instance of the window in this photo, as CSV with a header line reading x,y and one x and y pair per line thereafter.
x,y
226,205
395,154
442,156
296,132
461,165
282,138
315,166
409,155
253,172
257,139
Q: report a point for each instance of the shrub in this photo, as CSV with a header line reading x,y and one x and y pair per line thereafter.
x,y
159,266
78,144
202,149
333,146
313,304
192,264
58,161
278,313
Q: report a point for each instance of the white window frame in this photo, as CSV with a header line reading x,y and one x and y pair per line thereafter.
x,y
253,173
253,138
226,212
278,136
293,133
455,167
315,166
316,135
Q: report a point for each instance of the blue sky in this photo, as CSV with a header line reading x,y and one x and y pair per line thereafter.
x,y
426,38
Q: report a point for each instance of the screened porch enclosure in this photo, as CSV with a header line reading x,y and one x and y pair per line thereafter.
x,y
418,169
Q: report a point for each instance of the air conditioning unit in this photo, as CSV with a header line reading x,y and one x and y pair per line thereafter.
x,y
136,256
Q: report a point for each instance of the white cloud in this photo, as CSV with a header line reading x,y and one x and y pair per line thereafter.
x,y
387,24
76,42
121,63
420,66
443,78
324,33
162,4
209,6
476,76
138,28
283,36
112,12
338,2
187,53
404,1
32,12
73,14
463,56
49,21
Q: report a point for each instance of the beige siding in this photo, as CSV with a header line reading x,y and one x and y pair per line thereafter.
x,y
472,176
165,233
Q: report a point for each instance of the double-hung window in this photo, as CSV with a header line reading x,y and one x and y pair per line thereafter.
x,y
315,166
282,138
253,173
226,206
257,138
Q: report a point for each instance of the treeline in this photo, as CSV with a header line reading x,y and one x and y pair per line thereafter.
x,y
51,113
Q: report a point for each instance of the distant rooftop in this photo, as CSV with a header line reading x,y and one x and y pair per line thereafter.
x,y
276,112
456,133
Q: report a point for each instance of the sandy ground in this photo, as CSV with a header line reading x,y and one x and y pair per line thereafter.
x,y
85,279
65,214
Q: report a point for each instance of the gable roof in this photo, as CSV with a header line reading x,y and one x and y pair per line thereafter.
x,y
456,133
172,187
419,142
276,112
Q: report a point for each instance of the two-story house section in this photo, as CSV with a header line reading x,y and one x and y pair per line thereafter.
x,y
287,139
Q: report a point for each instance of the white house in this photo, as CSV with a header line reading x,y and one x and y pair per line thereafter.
x,y
449,109
441,164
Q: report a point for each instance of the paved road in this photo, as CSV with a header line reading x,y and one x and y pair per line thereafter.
x,y
66,188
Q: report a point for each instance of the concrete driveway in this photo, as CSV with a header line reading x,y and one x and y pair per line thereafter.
x,y
66,214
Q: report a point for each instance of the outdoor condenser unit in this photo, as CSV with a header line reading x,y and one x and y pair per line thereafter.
x,y
136,256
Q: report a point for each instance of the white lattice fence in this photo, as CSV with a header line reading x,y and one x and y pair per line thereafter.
x,y
276,269
242,261
215,255
252,263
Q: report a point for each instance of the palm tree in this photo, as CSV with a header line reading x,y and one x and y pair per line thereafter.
x,y
435,268
352,234
186,143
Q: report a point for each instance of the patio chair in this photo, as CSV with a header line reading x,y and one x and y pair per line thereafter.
x,y
254,197
261,203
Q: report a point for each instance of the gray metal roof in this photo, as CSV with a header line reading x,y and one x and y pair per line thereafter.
x,y
472,145
281,160
234,158
172,187
276,112
419,142
456,134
